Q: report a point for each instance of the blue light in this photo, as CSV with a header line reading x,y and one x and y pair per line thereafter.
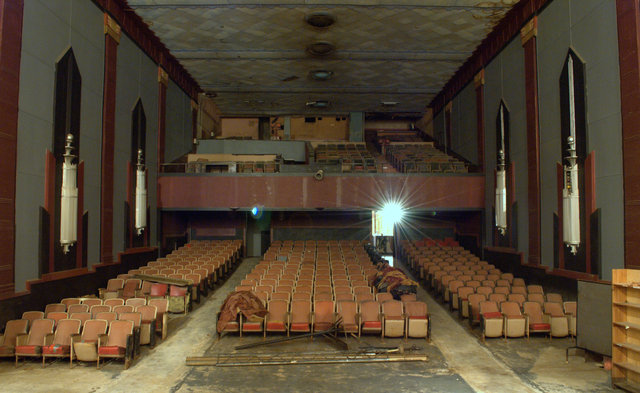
x,y
254,211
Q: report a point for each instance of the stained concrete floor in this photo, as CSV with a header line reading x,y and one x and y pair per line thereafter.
x,y
458,362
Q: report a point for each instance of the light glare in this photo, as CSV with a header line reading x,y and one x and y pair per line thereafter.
x,y
392,212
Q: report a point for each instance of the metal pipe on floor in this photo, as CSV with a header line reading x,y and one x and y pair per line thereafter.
x,y
292,359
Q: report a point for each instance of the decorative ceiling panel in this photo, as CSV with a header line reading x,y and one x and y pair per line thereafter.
x,y
241,49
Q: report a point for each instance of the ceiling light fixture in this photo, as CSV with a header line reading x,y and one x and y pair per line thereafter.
x,y
388,103
321,48
318,104
320,19
321,75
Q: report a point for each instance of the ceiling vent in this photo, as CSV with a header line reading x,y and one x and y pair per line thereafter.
x,y
321,48
320,19
321,75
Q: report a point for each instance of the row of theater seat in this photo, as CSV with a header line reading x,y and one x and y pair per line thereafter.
x,y
352,157
90,328
200,263
45,338
503,304
308,286
55,332
391,318
422,158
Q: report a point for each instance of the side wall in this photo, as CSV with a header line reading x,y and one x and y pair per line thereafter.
x,y
179,137
50,28
464,133
136,79
439,128
504,80
589,28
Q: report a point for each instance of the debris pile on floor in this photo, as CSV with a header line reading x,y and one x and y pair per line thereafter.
x,y
244,301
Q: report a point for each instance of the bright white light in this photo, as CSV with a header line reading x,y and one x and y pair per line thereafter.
x,y
392,212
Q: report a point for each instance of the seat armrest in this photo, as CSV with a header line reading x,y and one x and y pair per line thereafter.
x,y
130,348
165,321
103,339
75,338
48,339
21,339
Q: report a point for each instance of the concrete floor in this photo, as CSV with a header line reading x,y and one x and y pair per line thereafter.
x,y
458,362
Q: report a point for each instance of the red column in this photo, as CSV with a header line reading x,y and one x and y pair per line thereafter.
x,y
528,36
10,51
479,84
163,81
629,52
111,40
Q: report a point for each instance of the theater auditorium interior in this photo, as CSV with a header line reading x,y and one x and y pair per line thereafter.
x,y
287,195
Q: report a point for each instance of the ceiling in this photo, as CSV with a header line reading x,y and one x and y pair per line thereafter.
x,y
253,56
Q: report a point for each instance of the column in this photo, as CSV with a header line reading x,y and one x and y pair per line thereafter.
x,y
111,41
528,36
10,51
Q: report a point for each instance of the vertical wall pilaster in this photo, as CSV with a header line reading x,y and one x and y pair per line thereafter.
x,y
111,41
528,35
628,14
11,12
478,81
163,82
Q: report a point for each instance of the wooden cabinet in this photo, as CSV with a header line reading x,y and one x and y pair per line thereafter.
x,y
625,298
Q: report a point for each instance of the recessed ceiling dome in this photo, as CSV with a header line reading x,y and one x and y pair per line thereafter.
x,y
320,19
321,48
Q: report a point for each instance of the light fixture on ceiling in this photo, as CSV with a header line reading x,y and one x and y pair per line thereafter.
x,y
321,48
318,104
321,75
388,103
210,94
320,19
